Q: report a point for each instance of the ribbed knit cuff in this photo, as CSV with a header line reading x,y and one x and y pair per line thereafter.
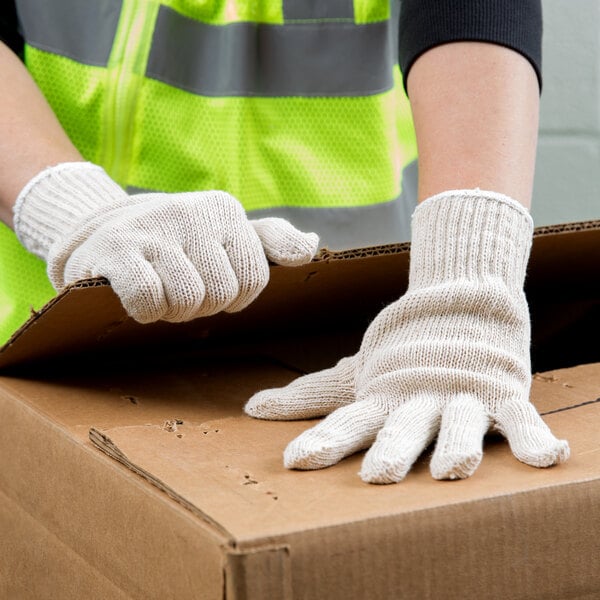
x,y
470,235
54,202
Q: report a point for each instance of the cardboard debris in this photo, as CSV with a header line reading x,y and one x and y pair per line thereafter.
x,y
128,469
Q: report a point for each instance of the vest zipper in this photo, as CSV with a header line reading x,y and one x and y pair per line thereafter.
x,y
125,74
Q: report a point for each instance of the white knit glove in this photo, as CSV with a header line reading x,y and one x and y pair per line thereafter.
x,y
173,257
449,359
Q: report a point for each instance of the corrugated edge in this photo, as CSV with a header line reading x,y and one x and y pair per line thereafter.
x,y
325,254
566,228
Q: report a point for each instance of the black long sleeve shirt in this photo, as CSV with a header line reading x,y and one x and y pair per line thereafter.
x,y
516,24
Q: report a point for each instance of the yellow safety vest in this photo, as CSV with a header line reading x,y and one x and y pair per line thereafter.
x,y
295,107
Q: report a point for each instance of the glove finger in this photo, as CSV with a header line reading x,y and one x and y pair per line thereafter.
x,y
459,448
283,243
137,285
220,280
530,439
345,431
249,263
313,395
406,433
184,289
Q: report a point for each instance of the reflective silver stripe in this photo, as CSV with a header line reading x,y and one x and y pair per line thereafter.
x,y
356,227
345,228
83,31
352,227
250,59
318,9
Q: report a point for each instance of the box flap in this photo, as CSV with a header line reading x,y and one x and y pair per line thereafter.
x,y
88,317
337,290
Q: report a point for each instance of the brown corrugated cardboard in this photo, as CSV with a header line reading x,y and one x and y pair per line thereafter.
x,y
339,291
234,523
135,474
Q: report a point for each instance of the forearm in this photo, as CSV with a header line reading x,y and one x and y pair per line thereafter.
x,y
31,138
475,108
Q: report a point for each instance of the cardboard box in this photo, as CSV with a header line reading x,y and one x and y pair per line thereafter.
x,y
128,469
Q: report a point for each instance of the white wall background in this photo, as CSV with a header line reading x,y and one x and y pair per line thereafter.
x,y
567,182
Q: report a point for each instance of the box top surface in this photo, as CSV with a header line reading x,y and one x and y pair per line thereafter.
x,y
184,431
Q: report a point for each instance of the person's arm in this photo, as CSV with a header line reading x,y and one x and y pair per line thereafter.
x,y
475,104
450,359
173,257
475,108
31,138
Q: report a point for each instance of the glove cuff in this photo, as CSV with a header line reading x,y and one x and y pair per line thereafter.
x,y
54,202
470,235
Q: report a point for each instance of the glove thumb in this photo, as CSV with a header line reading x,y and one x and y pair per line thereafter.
x,y
309,396
283,243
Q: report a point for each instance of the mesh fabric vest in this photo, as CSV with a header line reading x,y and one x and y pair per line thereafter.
x,y
295,107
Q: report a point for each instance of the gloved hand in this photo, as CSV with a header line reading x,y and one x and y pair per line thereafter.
x,y
167,256
449,359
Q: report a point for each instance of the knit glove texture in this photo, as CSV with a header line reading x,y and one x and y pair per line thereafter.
x,y
173,257
449,359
